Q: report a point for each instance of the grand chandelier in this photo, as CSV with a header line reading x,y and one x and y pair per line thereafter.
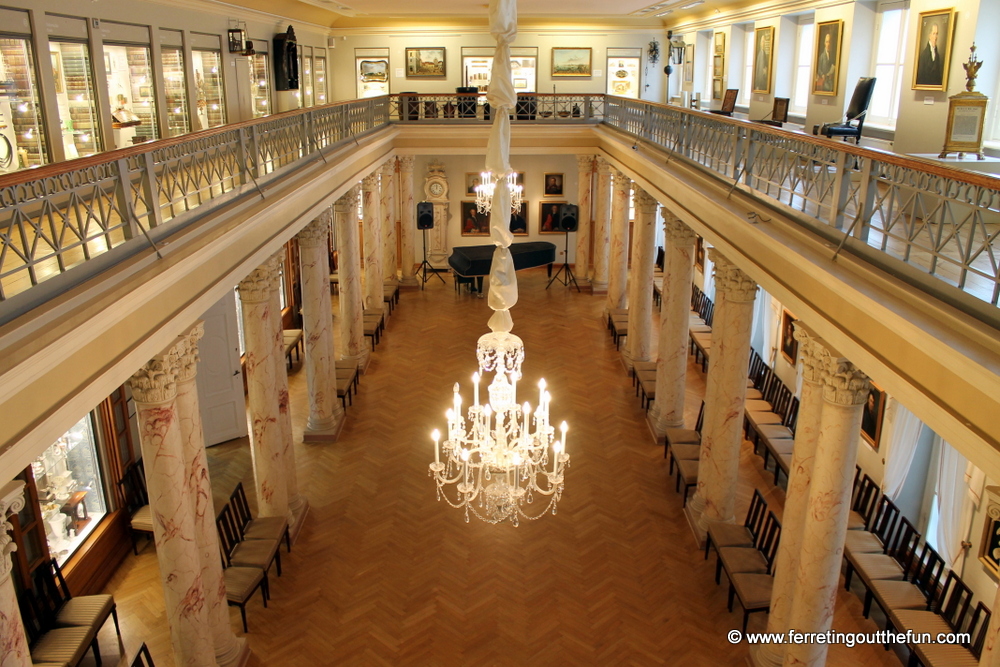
x,y
492,463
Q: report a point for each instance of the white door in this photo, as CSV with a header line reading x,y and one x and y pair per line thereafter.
x,y
220,378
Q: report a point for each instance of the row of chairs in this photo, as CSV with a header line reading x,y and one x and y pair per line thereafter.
x,y
700,326
770,416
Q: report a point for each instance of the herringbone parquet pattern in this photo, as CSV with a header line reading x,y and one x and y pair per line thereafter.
x,y
383,574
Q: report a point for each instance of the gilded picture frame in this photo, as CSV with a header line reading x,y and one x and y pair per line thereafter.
x,y
826,64
426,62
763,59
572,61
932,50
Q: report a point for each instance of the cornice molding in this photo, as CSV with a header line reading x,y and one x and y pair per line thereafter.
x,y
757,12
462,30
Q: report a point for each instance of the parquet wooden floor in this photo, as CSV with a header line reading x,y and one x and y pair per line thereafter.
x,y
383,574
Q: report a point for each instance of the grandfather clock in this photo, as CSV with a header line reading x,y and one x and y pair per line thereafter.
x,y
436,192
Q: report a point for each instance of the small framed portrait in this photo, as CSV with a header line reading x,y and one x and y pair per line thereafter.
x,y
720,43
826,67
474,223
571,61
425,63
548,217
789,346
472,179
717,66
989,551
519,221
872,415
729,103
145,91
699,253
779,111
933,49
763,54
716,88
553,185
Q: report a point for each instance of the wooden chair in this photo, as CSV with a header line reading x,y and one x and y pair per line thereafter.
x,y
863,504
757,559
50,644
895,564
87,611
753,590
142,658
948,615
133,489
241,584
725,534
955,655
245,553
882,530
293,342
856,111
684,444
261,528
687,473
925,575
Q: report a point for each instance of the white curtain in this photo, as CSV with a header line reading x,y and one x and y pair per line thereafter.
x,y
906,428
959,490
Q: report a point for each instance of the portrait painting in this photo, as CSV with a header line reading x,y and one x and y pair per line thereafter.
x,y
553,185
826,67
519,221
933,49
548,217
425,62
763,54
699,254
789,346
779,111
472,179
571,62
872,415
474,223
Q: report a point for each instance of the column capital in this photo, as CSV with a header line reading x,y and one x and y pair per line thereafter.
x,y
315,234
675,229
622,184
645,202
370,182
603,167
406,164
156,381
256,287
388,168
731,280
348,201
186,351
585,162
275,261
844,384
12,501
812,352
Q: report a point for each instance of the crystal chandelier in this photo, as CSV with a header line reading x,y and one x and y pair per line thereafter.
x,y
487,184
492,463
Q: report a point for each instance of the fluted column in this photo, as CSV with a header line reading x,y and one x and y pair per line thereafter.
x,y
352,330
722,432
326,415
585,174
154,388
618,252
845,390
298,506
372,226
602,228
230,650
639,344
408,221
266,446
13,641
671,363
814,355
387,202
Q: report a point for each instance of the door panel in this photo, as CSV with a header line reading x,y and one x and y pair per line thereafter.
x,y
220,378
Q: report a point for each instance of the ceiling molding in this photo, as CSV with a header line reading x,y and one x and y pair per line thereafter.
x,y
233,11
756,12
587,31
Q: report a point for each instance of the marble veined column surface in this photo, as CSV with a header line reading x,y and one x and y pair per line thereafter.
x,y
991,648
387,202
326,415
407,222
671,362
154,388
371,213
585,178
230,650
266,445
13,641
722,431
814,356
297,504
352,330
602,228
639,343
618,252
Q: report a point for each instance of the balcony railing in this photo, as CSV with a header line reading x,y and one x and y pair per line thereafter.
x,y
472,108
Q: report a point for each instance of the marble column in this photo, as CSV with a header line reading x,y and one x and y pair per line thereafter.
x,y
671,363
814,355
387,202
352,330
266,445
602,228
618,251
372,226
725,397
585,177
154,388
298,506
817,579
991,648
326,415
13,640
230,650
639,343
408,222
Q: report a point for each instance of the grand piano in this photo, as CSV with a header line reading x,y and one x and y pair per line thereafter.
x,y
474,261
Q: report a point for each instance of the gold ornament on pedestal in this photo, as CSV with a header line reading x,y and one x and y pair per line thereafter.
x,y
966,115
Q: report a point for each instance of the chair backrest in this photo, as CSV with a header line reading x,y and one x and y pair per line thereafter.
x,y
142,658
954,601
133,486
755,367
701,418
708,312
729,100
47,597
755,515
782,399
770,535
240,507
926,573
904,545
884,525
981,619
792,418
866,499
861,99
34,621
228,533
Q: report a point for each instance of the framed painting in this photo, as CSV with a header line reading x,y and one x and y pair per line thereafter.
x,y
699,254
826,67
425,63
548,217
472,180
689,63
519,221
553,185
763,56
779,111
789,346
716,88
989,550
474,223
933,49
717,66
571,61
720,43
872,415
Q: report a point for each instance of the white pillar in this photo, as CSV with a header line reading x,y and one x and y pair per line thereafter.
x,y
991,651
602,228
230,650
407,221
618,252
154,388
12,636
671,363
585,177
845,390
266,446
351,292
372,226
639,344
387,201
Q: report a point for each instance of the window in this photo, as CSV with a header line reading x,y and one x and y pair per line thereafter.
x,y
175,91
320,80
260,84
890,44
208,84
239,321
804,38
131,93
75,98
22,141
747,87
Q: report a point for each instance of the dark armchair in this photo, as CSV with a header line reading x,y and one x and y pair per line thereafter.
x,y
855,113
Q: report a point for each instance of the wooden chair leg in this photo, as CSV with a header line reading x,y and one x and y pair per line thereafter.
x,y
243,613
288,540
848,575
97,651
746,616
265,589
732,594
868,602
114,615
277,560
708,545
718,571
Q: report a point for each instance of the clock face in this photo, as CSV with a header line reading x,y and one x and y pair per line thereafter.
x,y
436,188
